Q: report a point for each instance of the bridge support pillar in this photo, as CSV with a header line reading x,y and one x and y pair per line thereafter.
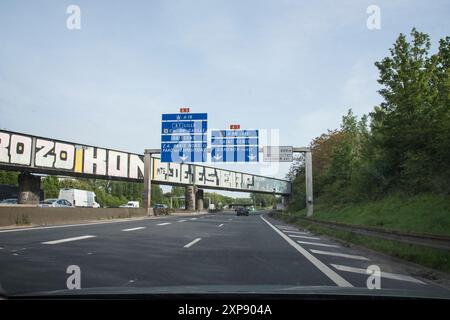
x,y
148,169
190,198
199,200
285,202
29,189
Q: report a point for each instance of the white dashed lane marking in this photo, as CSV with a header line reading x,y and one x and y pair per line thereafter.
x,y
182,220
133,229
337,254
318,244
303,237
285,227
190,244
163,224
67,240
193,218
220,225
296,232
386,275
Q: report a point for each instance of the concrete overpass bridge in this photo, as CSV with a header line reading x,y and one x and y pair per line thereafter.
x,y
32,154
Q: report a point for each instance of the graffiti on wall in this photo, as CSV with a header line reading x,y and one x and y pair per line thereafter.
x,y
43,154
216,178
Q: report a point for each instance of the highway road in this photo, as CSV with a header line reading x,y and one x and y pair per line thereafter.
x,y
203,250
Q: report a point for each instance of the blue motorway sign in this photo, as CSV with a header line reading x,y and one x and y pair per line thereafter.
x,y
195,126
234,146
184,137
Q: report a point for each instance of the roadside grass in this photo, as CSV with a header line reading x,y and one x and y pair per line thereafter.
x,y
425,213
429,257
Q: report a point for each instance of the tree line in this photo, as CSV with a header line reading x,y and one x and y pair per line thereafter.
x,y
402,146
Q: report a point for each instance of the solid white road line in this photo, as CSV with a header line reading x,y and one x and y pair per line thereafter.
x,y
133,229
192,242
182,220
383,274
341,282
163,224
67,240
220,225
336,254
303,237
318,244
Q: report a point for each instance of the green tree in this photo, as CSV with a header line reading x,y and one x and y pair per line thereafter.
x,y
262,200
411,126
9,178
405,147
51,187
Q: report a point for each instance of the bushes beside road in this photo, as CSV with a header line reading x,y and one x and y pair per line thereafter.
x,y
422,213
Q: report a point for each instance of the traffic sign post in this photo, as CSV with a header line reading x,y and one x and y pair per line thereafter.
x,y
184,137
235,145
309,184
308,179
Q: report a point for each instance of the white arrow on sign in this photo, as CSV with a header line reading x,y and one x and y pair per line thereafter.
x,y
252,157
183,158
217,157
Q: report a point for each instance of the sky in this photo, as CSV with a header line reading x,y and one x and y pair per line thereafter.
x,y
291,66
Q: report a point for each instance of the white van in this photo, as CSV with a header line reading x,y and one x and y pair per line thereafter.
x,y
79,198
130,204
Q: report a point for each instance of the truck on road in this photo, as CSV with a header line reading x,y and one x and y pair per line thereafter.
x,y
79,198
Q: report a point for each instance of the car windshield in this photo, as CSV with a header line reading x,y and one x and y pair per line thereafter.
x,y
273,147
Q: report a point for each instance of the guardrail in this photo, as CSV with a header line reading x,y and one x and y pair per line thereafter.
x,y
427,240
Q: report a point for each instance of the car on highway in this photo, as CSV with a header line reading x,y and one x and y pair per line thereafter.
x,y
55,203
159,206
242,211
9,201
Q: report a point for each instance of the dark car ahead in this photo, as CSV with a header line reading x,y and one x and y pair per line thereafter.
x,y
242,212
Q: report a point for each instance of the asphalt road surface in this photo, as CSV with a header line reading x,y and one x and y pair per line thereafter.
x,y
210,249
